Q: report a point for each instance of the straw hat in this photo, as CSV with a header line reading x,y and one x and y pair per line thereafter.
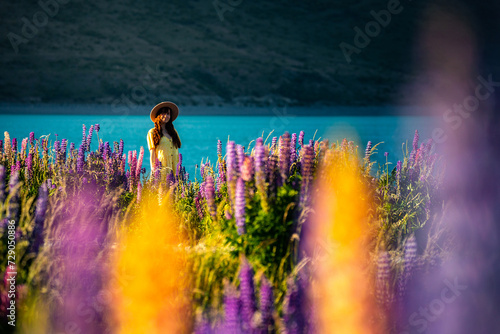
x,y
171,105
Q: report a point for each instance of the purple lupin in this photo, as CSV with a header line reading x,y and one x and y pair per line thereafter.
x,y
40,212
247,295
293,149
139,164
273,143
409,263
120,147
32,138
81,159
293,315
260,173
301,138
383,293
240,156
307,165
84,136
231,161
210,196
239,207
284,157
64,145
29,166
266,306
232,322
219,148
89,137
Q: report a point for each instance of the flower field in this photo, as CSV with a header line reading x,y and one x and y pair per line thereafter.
x,y
287,234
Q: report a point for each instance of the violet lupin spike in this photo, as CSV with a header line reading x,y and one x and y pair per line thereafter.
x,y
29,166
247,295
301,138
32,138
84,136
24,144
89,137
139,192
384,296
409,263
57,148
260,173
307,165
40,213
266,306
284,157
231,161
219,148
210,196
240,155
81,159
293,315
273,143
239,208
368,151
120,147
139,163
232,322
293,149
1,149
64,145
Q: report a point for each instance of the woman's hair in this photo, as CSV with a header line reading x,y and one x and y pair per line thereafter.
x,y
157,133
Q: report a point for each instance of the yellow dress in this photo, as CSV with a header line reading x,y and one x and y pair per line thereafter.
x,y
166,153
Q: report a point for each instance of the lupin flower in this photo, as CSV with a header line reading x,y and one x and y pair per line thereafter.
x,y
219,148
179,168
120,147
386,154
240,156
293,314
210,196
231,161
284,156
266,305
24,144
84,136
239,208
89,137
247,295
107,151
40,212
273,143
14,147
81,159
293,148
122,164
384,295
97,127
415,140
301,138
307,165
8,150
197,204
32,138
139,163
246,169
64,145
202,326
272,164
57,148
1,149
232,322
409,264
29,166
139,192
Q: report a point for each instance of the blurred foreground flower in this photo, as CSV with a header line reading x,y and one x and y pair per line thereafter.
x,y
151,268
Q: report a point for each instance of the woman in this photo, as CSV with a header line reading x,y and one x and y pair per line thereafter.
x,y
163,139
